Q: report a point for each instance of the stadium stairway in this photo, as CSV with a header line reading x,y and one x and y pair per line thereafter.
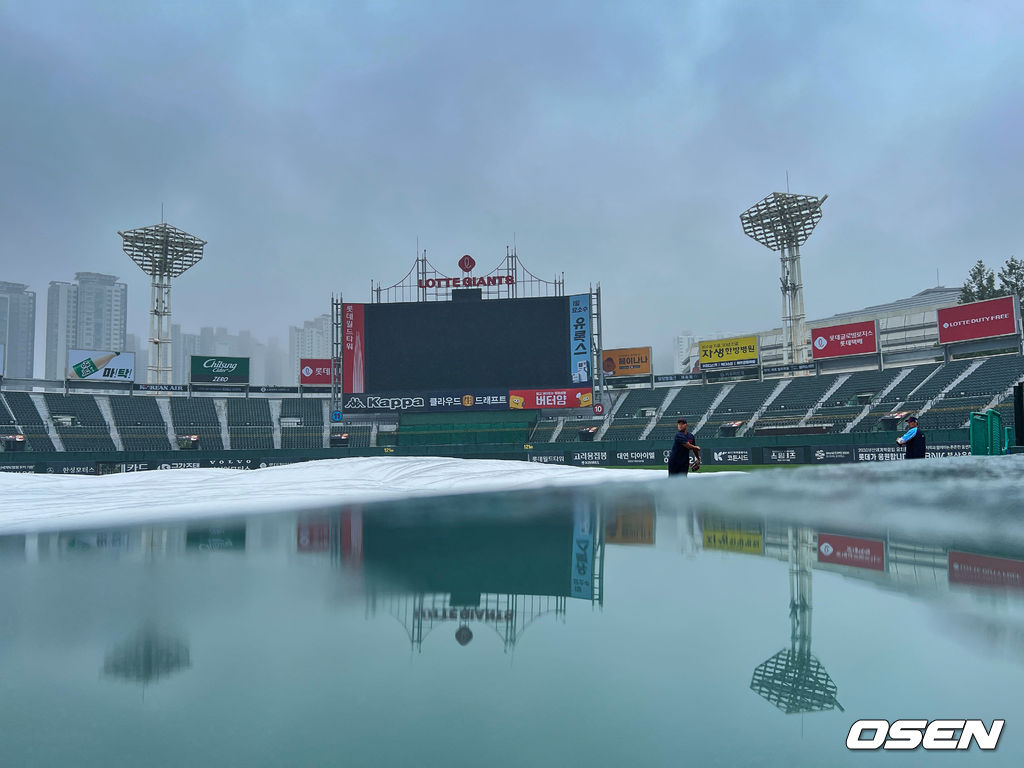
x,y
164,404
783,383
877,399
103,403
275,423
975,365
665,403
221,407
722,394
44,412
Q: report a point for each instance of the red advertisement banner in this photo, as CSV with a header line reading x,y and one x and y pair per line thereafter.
x,y
551,398
353,356
315,370
851,551
844,340
985,571
978,320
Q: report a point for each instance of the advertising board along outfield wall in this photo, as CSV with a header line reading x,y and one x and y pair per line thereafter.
x,y
978,320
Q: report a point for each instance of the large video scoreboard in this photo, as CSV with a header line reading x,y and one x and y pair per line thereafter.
x,y
467,354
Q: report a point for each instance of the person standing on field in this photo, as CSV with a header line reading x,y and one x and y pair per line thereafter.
x,y
913,439
682,446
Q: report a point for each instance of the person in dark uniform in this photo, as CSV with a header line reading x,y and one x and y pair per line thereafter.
x,y
682,446
913,439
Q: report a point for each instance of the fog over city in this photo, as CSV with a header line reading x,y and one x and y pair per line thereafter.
x,y
312,144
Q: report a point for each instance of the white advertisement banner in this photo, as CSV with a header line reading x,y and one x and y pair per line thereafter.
x,y
99,365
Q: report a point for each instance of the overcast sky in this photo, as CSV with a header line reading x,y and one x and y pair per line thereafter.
x,y
311,144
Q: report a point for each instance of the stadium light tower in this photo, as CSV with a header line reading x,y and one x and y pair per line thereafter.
x,y
162,252
782,222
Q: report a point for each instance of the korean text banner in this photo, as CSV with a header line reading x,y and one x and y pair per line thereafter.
x,y
738,352
844,340
315,370
551,398
579,338
434,401
353,356
220,370
978,320
626,361
97,365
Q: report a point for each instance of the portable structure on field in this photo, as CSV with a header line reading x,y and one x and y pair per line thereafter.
x,y
162,252
782,222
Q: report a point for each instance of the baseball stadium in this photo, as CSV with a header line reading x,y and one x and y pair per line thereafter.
x,y
508,365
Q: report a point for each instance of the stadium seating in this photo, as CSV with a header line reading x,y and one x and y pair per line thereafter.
x,y
740,404
87,430
847,402
140,423
691,402
498,427
359,435
27,417
794,401
197,416
309,431
544,430
571,429
629,422
918,374
990,380
249,424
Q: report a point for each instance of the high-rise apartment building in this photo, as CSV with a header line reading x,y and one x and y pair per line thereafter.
x,y
17,329
313,339
91,313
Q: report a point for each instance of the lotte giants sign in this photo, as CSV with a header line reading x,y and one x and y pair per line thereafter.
x,y
844,340
315,370
978,320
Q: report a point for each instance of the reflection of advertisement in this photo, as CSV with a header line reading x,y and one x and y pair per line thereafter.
x,y
579,338
581,579
630,526
220,370
985,571
844,340
551,398
315,370
216,539
426,402
728,536
854,552
626,361
977,320
728,353
353,355
100,366
351,534
313,536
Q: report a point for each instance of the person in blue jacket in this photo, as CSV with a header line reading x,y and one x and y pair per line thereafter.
x,y
913,439
682,446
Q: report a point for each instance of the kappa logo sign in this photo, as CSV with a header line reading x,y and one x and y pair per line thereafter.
x,y
371,402
911,734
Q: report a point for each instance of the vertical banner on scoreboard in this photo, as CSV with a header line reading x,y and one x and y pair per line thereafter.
x,y
353,358
579,338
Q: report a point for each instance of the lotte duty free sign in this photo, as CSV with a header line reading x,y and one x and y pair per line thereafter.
x,y
977,320
844,340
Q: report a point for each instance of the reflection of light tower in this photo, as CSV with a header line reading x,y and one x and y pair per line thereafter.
x,y
162,252
782,222
147,656
793,680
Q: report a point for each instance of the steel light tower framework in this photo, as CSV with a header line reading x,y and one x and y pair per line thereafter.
x,y
162,252
782,222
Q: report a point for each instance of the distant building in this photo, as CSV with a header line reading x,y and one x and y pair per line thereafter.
x,y
265,360
17,330
183,346
313,339
91,313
